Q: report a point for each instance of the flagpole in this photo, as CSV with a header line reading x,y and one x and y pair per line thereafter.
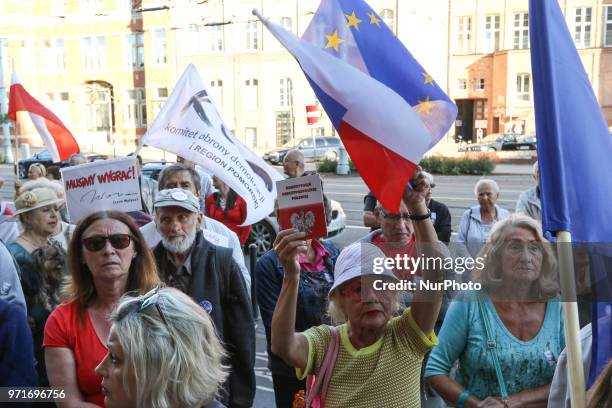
x,y
567,276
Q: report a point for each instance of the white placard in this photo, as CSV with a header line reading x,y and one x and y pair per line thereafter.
x,y
102,185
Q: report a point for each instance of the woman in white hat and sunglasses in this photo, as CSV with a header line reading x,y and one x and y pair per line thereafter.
x,y
107,258
378,360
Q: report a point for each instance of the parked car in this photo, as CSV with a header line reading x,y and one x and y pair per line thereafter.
x,y
264,232
327,147
525,143
44,157
493,142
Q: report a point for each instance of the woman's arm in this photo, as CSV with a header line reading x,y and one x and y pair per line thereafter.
x,y
286,343
61,369
425,305
532,398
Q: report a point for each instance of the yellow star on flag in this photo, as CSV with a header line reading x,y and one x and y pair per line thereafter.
x,y
425,106
353,21
374,19
428,79
333,41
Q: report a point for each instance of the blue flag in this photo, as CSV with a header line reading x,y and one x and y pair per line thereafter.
x,y
575,156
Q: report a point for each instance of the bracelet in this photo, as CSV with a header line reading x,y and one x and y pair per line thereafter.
x,y
462,398
414,217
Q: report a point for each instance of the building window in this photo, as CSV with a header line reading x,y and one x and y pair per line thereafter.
x,y
94,53
286,92
91,6
60,104
492,33
54,54
608,26
216,92
249,98
159,47
250,136
521,31
464,35
318,131
135,108
522,87
284,127
582,27
479,84
215,38
388,17
134,53
160,96
462,84
286,23
251,36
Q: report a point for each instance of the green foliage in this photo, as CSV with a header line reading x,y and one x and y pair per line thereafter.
x,y
464,165
329,166
4,118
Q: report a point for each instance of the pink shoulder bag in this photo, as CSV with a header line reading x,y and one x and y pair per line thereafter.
x,y
317,385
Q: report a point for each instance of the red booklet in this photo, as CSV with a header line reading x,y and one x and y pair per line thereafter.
x,y
300,205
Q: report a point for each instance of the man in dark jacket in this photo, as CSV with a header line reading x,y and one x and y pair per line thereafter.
x,y
188,262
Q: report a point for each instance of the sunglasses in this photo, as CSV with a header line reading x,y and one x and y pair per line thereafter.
x,y
98,242
145,301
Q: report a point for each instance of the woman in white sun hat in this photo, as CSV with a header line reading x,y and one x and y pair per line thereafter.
x,y
378,358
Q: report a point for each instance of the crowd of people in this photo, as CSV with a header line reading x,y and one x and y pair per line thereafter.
x,y
153,308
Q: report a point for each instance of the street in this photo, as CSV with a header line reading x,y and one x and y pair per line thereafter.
x,y
457,192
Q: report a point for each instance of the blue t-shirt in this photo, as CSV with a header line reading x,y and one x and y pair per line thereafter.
x,y
524,364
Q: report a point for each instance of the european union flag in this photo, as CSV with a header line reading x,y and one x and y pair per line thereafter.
x,y
387,109
575,157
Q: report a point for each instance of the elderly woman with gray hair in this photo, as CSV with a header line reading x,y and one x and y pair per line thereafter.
x,y
162,353
476,223
372,359
508,336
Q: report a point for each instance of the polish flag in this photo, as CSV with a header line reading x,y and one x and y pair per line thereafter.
x,y
57,138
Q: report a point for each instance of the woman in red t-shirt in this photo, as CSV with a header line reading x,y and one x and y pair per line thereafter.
x,y
106,258
229,208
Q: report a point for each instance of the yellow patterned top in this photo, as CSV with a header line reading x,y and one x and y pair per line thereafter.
x,y
385,374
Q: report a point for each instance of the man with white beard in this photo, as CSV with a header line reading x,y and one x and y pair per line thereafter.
x,y
207,273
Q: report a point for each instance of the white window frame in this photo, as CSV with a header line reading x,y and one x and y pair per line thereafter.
x,y
462,84
135,108
58,8
520,31
583,20
91,6
523,84
251,36
285,95
134,51
607,27
250,97
464,34
94,53
215,38
287,23
159,46
216,92
478,85
492,32
159,98
55,54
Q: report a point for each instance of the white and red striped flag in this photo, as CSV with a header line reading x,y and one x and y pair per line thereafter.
x,y
57,138
313,114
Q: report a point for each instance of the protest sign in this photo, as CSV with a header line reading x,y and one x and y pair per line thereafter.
x,y
103,185
300,205
190,125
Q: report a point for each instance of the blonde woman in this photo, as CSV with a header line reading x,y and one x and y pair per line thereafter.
x,y
162,352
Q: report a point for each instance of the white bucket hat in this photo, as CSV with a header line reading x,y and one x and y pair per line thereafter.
x,y
358,260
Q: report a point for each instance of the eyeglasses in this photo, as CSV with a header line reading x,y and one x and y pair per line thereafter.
x,y
97,242
395,217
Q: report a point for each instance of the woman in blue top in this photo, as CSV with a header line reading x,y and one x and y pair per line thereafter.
x,y
518,301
